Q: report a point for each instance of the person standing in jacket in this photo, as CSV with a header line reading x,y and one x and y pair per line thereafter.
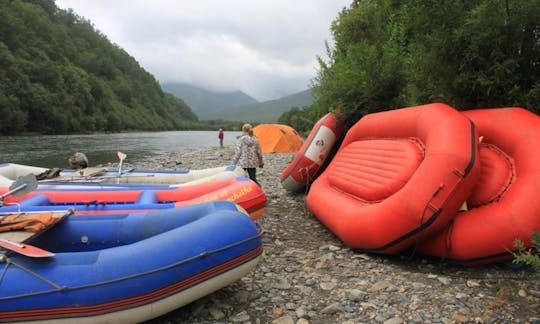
x,y
248,153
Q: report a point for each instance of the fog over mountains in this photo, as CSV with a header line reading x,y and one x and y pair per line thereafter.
x,y
236,105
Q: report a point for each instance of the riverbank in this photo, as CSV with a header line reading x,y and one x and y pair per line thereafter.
x,y
308,276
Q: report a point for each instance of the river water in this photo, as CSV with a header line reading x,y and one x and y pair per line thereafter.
x,y
54,150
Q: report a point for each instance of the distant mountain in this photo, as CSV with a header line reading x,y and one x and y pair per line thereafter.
x,y
204,102
264,112
235,106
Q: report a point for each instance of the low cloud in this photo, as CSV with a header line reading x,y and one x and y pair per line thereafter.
x,y
267,49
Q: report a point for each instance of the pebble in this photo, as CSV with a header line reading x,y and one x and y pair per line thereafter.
x,y
308,276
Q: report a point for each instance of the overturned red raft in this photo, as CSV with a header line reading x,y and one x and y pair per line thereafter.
x,y
314,153
398,176
504,205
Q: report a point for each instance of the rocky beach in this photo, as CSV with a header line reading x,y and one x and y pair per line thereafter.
x,y
307,275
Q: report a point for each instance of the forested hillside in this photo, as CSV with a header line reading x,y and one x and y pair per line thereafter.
x,y
59,75
236,106
205,102
392,54
267,111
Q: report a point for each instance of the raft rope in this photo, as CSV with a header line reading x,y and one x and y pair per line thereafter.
x,y
502,155
435,209
308,179
304,172
8,261
56,287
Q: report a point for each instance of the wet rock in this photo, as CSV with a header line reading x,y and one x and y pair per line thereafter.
x,y
216,313
241,317
379,286
284,320
357,295
332,309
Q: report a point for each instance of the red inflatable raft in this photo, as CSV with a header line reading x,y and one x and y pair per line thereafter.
x,y
314,152
504,205
398,176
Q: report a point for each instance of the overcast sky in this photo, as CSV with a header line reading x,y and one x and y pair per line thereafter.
x,y
266,48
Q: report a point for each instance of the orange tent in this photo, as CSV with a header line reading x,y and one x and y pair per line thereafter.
x,y
278,138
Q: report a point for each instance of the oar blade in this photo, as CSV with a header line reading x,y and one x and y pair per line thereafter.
x,y
21,186
28,180
122,156
25,249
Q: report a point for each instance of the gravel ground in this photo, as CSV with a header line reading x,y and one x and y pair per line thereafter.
x,y
308,276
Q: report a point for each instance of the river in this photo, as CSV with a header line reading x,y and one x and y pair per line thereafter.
x,y
54,150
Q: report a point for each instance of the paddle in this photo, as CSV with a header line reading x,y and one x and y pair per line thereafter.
x,y
21,186
122,157
25,249
97,179
15,240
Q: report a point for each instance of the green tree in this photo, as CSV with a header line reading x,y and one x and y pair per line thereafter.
x,y
470,54
59,75
297,118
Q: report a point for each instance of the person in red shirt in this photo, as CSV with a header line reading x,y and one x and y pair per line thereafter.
x,y
220,136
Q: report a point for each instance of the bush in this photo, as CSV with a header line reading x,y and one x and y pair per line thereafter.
x,y
528,255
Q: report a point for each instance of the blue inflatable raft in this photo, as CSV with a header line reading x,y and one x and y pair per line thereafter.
x,y
131,267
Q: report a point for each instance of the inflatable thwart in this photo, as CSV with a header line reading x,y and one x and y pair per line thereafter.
x,y
504,205
398,176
